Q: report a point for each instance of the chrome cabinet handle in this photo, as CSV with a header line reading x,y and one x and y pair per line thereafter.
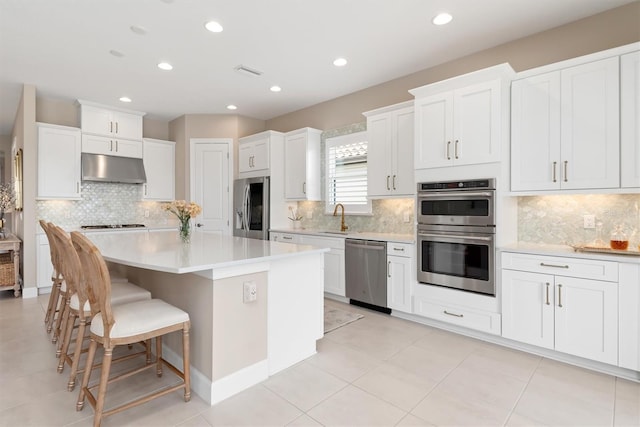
x,y
448,145
565,170
287,238
452,314
548,303
555,165
110,145
560,296
399,249
116,127
304,188
455,149
543,264
110,127
388,188
145,189
388,268
116,144
394,182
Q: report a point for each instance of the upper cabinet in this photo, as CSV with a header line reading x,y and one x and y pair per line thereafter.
x,y
110,131
254,154
160,167
460,121
302,164
566,127
59,166
390,134
630,119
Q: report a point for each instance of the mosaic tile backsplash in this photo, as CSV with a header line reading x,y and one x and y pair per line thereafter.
x,y
559,219
103,203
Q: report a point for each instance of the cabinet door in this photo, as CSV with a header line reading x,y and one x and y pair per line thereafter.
x,y
586,318
97,144
127,148
126,125
334,272
535,133
629,317
96,120
295,167
379,155
434,127
630,119
159,166
45,268
402,181
476,124
590,125
528,307
245,152
59,166
261,155
398,283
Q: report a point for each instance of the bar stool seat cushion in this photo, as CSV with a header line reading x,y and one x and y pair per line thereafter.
x,y
140,317
121,293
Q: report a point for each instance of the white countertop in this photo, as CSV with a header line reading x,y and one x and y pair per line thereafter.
x,y
365,235
566,251
166,252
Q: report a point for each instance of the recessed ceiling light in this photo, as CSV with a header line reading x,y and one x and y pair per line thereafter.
x,y
231,107
138,29
213,26
442,18
116,53
340,62
275,88
165,66
125,99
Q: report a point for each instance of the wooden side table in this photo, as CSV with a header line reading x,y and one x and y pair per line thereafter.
x,y
12,243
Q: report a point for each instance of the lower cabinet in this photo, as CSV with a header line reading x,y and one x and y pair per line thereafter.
x,y
399,271
629,317
574,315
44,267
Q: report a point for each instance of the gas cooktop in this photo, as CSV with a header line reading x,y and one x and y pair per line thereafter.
x,y
105,226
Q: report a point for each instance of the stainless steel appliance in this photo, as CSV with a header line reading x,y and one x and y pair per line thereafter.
x,y
110,226
102,168
251,208
366,273
456,235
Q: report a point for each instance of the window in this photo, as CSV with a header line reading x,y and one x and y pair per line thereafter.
x,y
346,164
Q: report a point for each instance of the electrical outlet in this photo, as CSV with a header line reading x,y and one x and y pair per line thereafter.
x,y
249,292
589,221
146,213
406,217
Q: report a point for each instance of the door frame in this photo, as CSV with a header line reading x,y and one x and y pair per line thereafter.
x,y
230,170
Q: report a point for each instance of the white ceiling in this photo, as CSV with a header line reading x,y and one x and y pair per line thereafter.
x,y
62,47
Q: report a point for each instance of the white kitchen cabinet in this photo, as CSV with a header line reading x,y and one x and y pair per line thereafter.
x,y
399,272
119,124
159,158
111,147
462,126
253,155
565,129
547,307
302,165
630,120
59,167
390,134
629,317
43,262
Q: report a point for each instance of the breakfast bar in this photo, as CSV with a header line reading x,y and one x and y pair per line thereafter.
x,y
256,306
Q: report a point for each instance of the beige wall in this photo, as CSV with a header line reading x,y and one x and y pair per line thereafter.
x,y
606,30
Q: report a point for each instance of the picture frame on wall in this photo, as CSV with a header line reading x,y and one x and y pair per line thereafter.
x,y
18,179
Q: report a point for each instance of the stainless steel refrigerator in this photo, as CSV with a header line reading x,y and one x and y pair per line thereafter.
x,y
251,208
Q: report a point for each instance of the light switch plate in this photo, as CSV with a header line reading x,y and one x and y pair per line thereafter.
x,y
249,292
589,221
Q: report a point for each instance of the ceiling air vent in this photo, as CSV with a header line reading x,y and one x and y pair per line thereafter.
x,y
243,69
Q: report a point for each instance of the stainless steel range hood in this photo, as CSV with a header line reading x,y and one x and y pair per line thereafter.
x,y
98,167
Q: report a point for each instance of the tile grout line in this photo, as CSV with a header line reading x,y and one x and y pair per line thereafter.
x,y
524,389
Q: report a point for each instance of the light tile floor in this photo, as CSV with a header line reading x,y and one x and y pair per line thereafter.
x,y
378,370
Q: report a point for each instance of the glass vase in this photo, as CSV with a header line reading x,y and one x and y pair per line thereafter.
x,y
185,230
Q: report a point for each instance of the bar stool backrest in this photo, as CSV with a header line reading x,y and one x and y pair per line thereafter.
x,y
54,261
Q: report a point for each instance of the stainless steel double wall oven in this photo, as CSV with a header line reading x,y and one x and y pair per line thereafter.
x,y
456,234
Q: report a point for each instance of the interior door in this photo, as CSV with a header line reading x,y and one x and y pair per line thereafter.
x,y
210,183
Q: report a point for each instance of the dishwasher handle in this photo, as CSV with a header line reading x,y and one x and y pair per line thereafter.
x,y
378,246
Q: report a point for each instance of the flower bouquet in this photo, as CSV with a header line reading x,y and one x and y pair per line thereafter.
x,y
7,203
184,211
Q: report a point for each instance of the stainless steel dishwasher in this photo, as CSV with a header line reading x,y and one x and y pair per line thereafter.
x,y
366,273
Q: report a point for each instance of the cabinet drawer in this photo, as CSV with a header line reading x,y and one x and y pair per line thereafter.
x,y
286,237
574,267
461,316
400,249
333,243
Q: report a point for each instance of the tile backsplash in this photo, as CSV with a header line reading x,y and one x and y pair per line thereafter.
x,y
103,203
558,219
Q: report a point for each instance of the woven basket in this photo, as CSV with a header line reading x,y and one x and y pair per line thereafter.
x,y
7,272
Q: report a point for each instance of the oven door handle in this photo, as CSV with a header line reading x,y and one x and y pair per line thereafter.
x,y
465,237
456,194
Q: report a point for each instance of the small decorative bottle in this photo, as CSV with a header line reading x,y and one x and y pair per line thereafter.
x,y
619,240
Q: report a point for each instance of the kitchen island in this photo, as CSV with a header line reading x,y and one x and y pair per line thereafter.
x,y
256,306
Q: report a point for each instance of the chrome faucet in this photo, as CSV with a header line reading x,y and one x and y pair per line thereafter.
x,y
343,226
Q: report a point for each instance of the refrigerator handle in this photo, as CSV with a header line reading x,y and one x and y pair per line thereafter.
x,y
247,211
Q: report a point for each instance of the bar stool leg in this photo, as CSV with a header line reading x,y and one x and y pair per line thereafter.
x,y
159,356
66,339
186,364
102,388
76,354
93,346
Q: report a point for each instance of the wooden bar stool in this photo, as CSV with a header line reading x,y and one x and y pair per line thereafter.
x,y
69,264
114,325
57,294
